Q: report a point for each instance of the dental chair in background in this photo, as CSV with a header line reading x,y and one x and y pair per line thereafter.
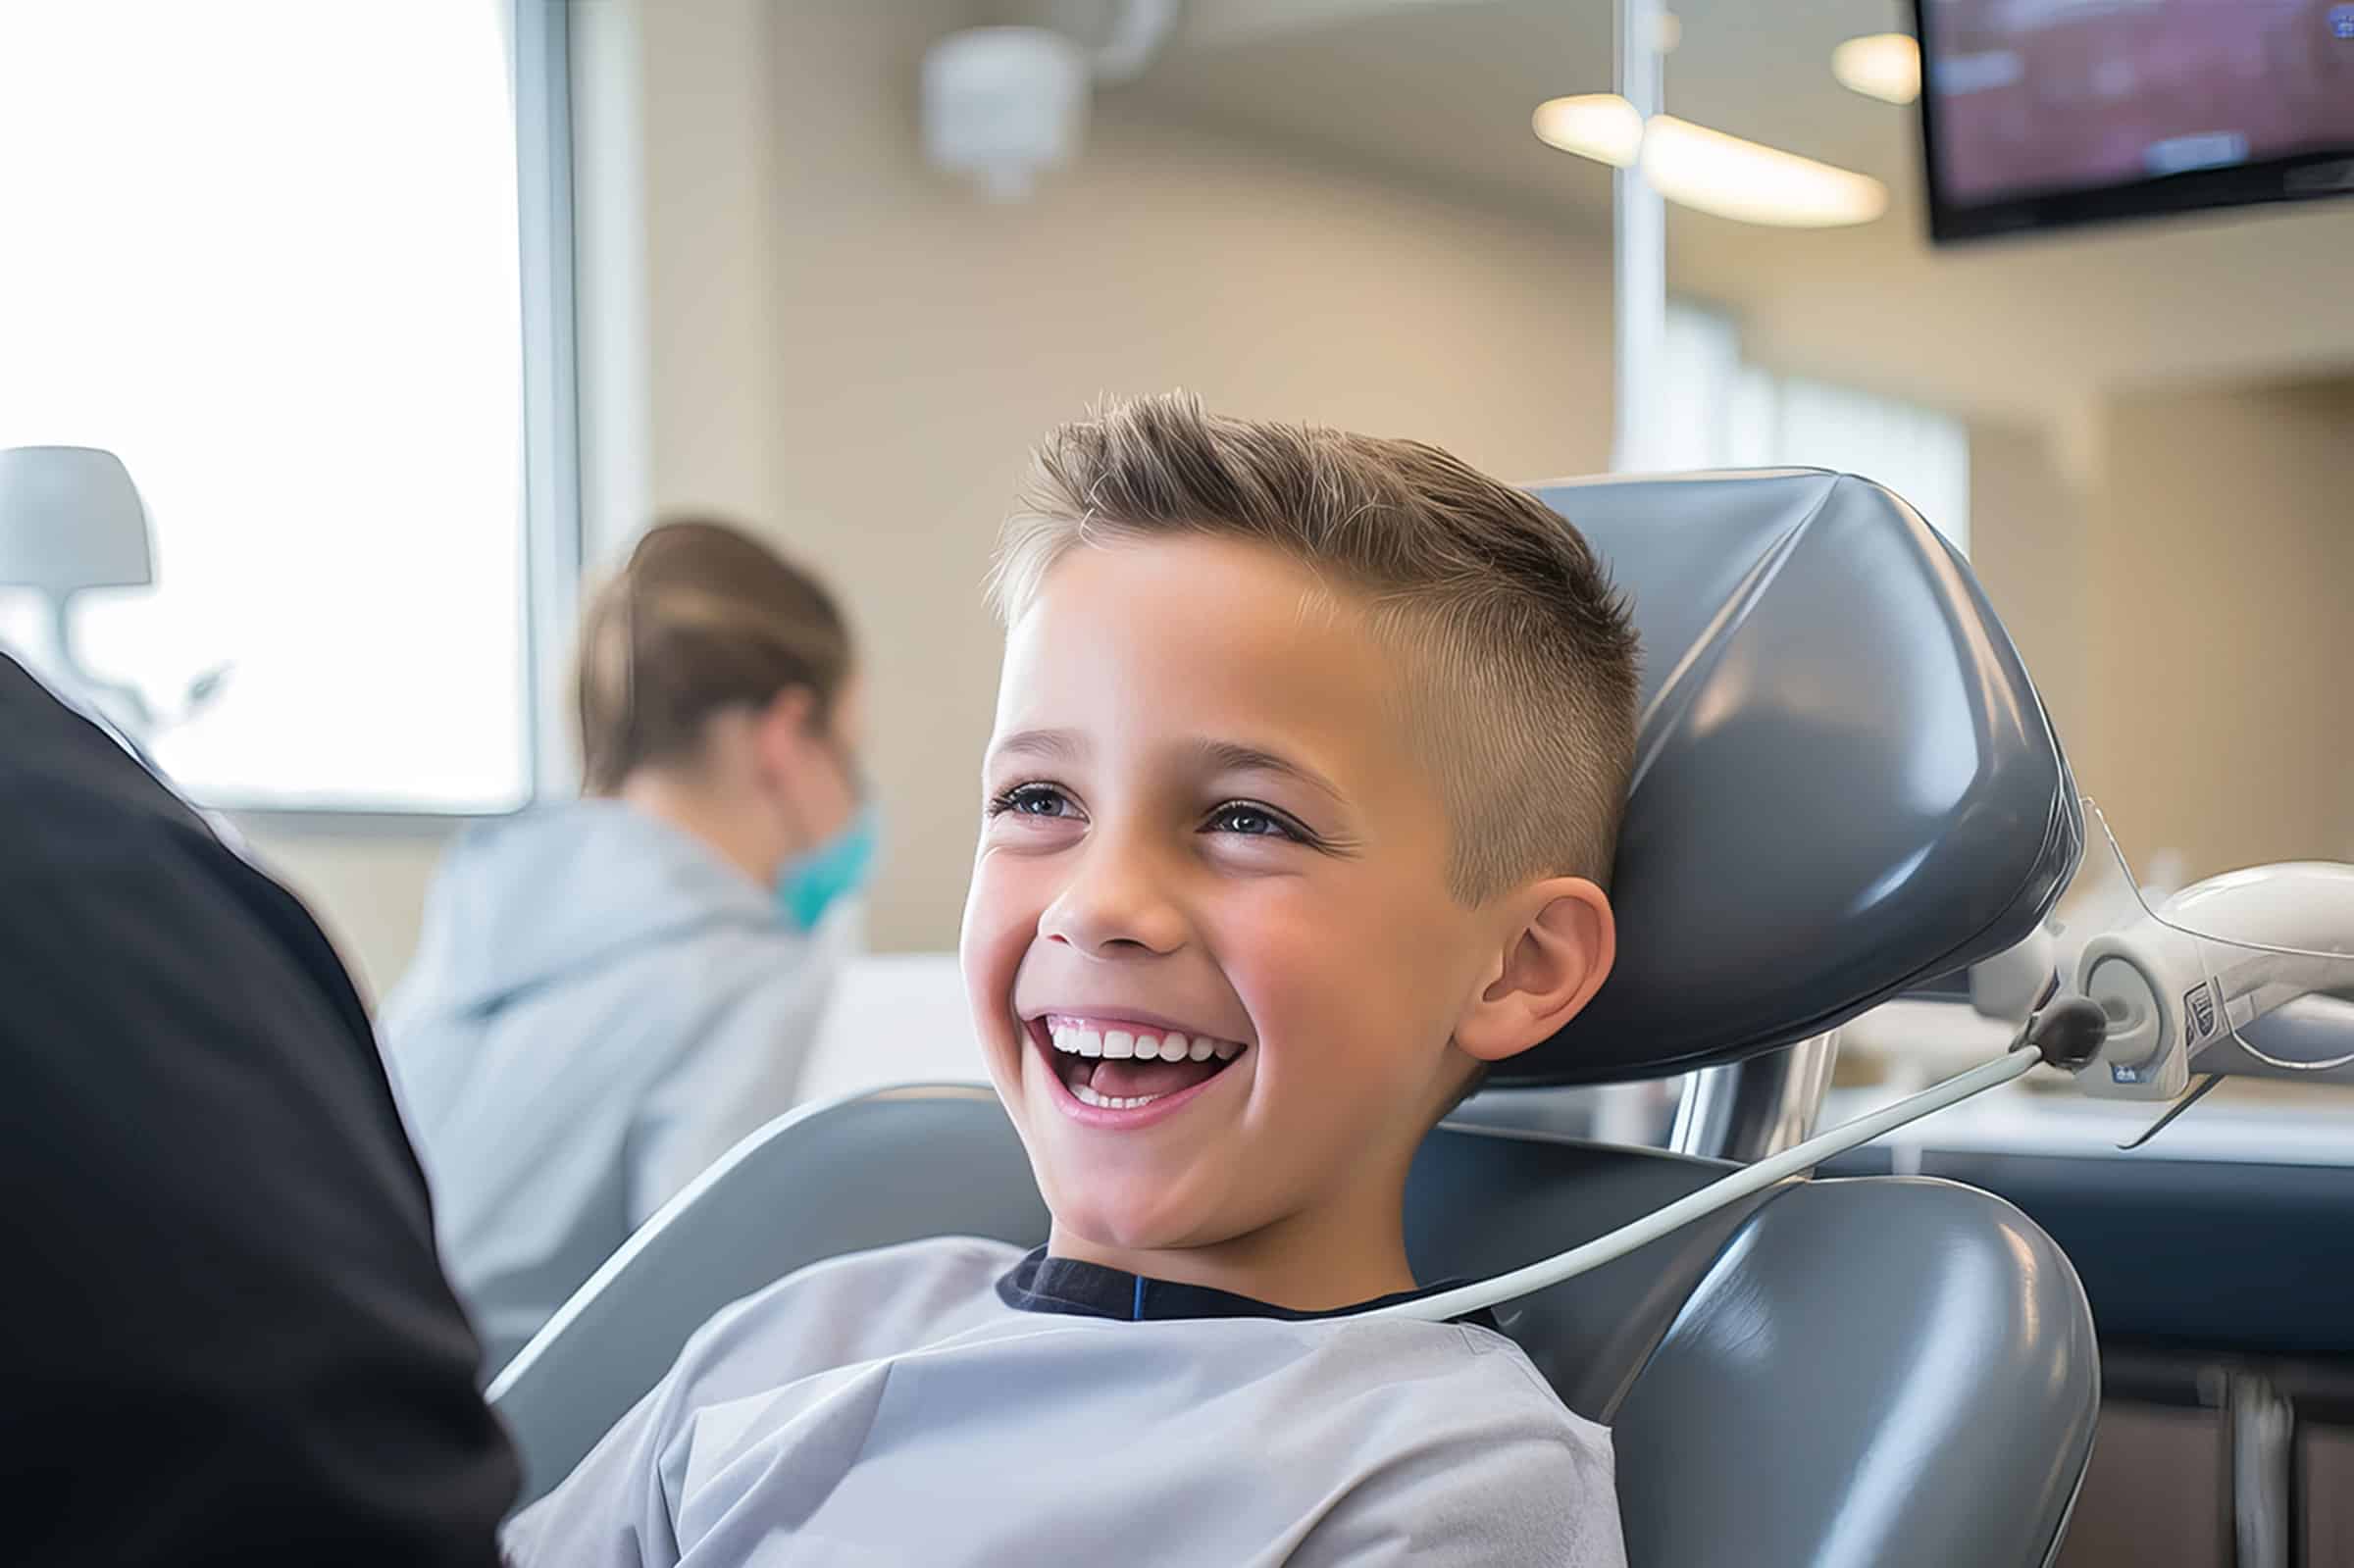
x,y
1844,786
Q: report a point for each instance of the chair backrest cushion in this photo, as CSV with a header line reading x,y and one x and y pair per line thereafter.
x,y
1845,781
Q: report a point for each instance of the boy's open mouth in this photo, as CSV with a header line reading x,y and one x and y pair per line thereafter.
x,y
1119,1064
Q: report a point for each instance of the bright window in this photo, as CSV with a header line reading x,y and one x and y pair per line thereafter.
x,y
1727,413
267,252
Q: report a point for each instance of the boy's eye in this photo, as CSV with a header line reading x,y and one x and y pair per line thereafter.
x,y
1033,800
1253,822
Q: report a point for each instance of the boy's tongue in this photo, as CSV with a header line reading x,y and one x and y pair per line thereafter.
x,y
1124,1080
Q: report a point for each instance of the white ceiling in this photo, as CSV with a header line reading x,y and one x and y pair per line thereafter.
x,y
1439,91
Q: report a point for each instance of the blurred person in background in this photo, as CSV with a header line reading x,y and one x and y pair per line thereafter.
x,y
610,993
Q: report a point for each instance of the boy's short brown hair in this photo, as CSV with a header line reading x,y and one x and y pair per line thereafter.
x,y
1521,654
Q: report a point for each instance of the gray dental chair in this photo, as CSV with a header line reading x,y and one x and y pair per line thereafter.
x,y
1844,786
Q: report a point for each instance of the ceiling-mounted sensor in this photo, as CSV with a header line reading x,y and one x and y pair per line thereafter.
x,y
1002,104
1005,104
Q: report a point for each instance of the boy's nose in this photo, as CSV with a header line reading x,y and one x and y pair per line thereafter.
x,y
1115,906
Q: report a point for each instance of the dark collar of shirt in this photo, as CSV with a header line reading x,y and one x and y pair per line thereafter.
x,y
1041,1283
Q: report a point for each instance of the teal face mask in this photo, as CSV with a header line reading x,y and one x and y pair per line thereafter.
x,y
809,884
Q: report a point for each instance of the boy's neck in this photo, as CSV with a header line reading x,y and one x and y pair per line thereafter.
x,y
1293,1263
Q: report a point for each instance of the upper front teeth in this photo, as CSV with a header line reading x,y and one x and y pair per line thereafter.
x,y
1120,1044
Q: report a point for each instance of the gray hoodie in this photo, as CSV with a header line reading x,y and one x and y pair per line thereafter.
x,y
599,1008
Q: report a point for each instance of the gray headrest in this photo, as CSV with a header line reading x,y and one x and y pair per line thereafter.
x,y
1844,781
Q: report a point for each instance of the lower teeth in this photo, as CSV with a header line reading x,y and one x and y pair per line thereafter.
x,y
1086,1094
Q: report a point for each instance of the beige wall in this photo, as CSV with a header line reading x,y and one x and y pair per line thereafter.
x,y
2188,615
2028,524
713,291
2223,725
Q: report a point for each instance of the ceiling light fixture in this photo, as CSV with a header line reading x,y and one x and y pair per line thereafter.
x,y
1601,126
1883,65
1707,170
1752,182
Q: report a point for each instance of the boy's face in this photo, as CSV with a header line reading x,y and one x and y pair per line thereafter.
x,y
1206,819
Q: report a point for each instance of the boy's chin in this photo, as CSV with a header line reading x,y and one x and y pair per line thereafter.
x,y
1126,1223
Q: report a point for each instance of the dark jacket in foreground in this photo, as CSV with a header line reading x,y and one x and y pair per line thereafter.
x,y
224,1337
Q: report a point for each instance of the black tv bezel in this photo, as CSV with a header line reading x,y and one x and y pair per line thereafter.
x,y
2297,177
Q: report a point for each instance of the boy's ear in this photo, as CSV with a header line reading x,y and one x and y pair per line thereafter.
x,y
1550,967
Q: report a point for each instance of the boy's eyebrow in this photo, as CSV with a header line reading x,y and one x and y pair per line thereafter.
x,y
1230,756
1222,756
1056,745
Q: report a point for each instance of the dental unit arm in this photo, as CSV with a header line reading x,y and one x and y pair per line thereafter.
x,y
2208,963
2149,996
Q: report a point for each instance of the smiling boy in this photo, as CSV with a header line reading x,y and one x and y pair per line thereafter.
x,y
1308,763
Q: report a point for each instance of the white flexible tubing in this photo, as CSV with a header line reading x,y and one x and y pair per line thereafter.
x,y
1691,1206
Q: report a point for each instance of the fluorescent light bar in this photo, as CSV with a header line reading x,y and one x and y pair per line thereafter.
x,y
1709,170
1883,65
1601,126
1752,182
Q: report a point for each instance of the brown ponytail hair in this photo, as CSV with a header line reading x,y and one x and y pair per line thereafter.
x,y
703,618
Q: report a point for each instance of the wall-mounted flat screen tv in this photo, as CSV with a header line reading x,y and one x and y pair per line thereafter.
x,y
2038,113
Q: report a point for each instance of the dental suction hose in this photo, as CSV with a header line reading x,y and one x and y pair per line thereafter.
x,y
2066,1035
